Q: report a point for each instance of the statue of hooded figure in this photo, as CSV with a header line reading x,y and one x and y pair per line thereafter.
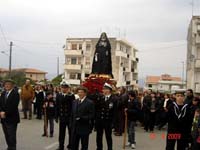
x,y
102,63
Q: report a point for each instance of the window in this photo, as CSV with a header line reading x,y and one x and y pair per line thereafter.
x,y
79,60
198,53
121,48
72,76
126,50
198,27
150,85
73,61
80,47
87,61
87,75
31,75
79,76
67,60
88,47
74,46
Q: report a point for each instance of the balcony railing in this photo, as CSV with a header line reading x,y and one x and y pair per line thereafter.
x,y
73,52
197,63
73,67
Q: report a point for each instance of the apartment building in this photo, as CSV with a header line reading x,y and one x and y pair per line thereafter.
x,y
193,55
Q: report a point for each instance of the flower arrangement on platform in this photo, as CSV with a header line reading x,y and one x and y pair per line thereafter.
x,y
95,83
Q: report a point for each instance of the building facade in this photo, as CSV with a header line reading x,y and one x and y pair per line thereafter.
x,y
193,55
164,83
79,54
3,72
34,74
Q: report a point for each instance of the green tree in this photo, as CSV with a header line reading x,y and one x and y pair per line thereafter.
x,y
56,81
19,77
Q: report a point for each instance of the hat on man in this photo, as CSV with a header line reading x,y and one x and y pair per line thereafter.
x,y
107,86
64,84
180,91
8,81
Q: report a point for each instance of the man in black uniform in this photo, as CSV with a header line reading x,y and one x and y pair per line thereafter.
x,y
64,108
105,107
179,123
9,113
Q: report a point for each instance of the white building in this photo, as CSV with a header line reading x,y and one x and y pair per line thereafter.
x,y
79,54
165,83
193,55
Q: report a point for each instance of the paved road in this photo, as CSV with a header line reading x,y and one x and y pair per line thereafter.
x,y
30,131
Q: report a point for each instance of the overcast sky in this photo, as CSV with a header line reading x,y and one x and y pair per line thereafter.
x,y
38,28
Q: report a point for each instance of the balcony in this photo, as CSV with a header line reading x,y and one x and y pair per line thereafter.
x,y
197,63
134,70
72,67
73,52
198,39
120,53
74,81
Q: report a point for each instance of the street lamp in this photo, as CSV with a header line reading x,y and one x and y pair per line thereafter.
x,y
3,52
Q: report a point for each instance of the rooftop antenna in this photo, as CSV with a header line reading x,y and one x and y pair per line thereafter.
x,y
124,33
192,7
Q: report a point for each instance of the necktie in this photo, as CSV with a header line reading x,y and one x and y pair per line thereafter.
x,y
106,98
79,101
6,95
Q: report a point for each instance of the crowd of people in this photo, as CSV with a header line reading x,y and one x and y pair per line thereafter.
x,y
108,112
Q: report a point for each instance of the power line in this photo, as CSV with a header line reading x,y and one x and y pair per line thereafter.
x,y
37,42
162,48
26,50
4,37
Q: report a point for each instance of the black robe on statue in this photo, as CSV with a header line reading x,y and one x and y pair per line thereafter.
x,y
102,63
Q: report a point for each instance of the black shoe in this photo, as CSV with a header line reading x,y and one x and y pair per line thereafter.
x,y
59,148
69,147
51,136
44,135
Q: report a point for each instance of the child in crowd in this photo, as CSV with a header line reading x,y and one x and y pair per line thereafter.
x,y
49,113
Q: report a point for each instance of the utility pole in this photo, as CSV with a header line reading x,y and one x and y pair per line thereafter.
x,y
10,58
183,66
57,65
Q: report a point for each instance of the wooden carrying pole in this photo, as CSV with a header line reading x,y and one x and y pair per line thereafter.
x,y
125,130
45,122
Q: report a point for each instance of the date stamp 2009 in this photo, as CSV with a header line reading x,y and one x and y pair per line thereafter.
x,y
170,136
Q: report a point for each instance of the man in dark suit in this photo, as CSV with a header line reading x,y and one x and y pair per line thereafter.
x,y
9,113
63,113
104,115
82,116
